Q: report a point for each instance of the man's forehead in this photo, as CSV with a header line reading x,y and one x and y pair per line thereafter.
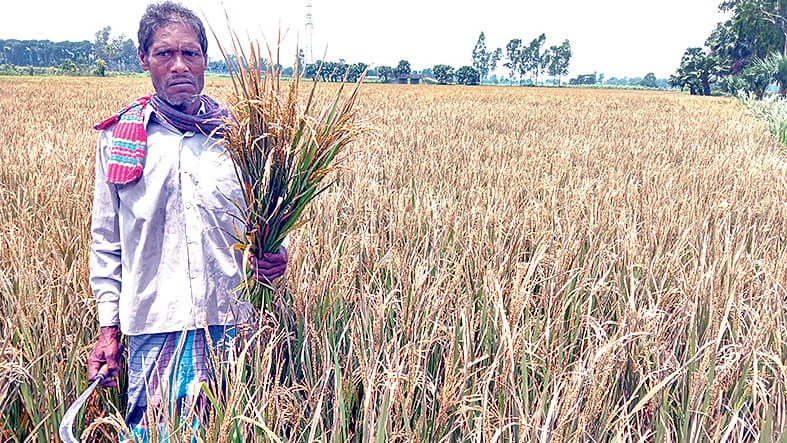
x,y
175,34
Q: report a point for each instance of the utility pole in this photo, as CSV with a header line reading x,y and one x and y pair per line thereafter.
x,y
309,31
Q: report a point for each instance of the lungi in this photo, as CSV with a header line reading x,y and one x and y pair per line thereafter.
x,y
165,376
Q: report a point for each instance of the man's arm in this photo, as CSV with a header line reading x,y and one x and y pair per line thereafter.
x,y
105,266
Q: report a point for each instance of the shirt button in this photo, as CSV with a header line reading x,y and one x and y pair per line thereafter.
x,y
193,275
188,206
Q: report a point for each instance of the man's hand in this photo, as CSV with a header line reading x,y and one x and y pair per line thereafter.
x,y
270,266
105,352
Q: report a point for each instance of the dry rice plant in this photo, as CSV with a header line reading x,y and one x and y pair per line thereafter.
x,y
502,264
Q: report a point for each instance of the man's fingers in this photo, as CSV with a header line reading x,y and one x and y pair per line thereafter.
x,y
272,270
270,266
112,366
94,363
277,271
108,382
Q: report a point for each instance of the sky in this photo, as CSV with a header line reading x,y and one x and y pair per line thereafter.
x,y
619,38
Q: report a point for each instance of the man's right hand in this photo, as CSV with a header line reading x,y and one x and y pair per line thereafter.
x,y
105,352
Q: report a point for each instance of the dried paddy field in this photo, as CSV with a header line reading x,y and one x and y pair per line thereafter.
x,y
494,264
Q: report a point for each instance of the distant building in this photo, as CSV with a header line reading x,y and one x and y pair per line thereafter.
x,y
412,79
586,79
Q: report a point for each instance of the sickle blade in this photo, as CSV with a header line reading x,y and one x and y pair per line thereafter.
x,y
66,430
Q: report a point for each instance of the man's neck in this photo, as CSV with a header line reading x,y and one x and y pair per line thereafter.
x,y
190,107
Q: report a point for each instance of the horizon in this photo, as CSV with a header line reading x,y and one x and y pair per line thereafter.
x,y
615,38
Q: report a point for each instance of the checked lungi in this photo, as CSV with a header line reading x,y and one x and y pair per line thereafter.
x,y
166,372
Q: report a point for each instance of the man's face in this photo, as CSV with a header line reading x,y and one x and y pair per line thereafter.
x,y
177,66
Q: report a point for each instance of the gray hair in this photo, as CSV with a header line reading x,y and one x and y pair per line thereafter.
x,y
162,14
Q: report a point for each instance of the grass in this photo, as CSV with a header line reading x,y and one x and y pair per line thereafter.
x,y
495,264
771,109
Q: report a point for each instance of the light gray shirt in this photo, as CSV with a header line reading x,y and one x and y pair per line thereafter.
x,y
161,259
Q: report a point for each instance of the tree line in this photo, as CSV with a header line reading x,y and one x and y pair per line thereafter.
x,y
744,54
117,53
525,63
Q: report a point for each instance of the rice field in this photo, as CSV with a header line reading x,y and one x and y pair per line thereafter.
x,y
493,264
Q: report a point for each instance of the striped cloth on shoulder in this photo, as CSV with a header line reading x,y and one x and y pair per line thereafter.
x,y
129,137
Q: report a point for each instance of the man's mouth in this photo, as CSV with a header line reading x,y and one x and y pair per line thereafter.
x,y
181,82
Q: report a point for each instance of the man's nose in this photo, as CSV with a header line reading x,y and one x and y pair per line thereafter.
x,y
179,63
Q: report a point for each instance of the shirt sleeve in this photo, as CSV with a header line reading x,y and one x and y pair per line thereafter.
x,y
105,257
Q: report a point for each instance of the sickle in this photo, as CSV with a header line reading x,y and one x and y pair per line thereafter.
x,y
66,429
67,424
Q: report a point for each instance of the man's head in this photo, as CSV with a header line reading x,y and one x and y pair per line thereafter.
x,y
173,48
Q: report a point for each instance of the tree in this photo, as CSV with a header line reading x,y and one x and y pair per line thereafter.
x,y
468,75
757,77
649,81
217,66
67,65
355,71
733,84
755,29
444,74
697,70
532,58
403,68
560,57
120,53
775,68
334,71
101,42
757,12
46,53
480,56
125,54
495,59
386,73
310,71
778,64
483,60
513,54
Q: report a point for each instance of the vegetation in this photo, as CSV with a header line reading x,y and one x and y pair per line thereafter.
x,y
282,151
444,74
772,110
485,61
495,264
744,54
530,60
468,75
71,58
43,53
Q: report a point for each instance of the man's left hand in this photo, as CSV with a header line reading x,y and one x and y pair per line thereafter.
x,y
270,266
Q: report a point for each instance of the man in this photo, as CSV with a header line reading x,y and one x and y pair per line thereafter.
x,y
161,265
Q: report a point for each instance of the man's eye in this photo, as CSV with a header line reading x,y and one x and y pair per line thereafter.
x,y
163,53
190,53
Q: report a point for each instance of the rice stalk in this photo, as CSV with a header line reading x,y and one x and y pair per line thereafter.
x,y
283,150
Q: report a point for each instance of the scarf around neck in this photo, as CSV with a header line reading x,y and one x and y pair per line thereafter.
x,y
129,137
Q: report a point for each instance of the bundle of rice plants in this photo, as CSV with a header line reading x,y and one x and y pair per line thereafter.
x,y
283,149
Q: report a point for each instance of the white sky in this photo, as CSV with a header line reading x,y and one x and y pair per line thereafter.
x,y
615,37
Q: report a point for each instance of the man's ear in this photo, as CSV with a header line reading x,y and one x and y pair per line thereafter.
x,y
143,60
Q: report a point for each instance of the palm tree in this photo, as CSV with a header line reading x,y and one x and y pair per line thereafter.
x,y
758,75
697,71
775,67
